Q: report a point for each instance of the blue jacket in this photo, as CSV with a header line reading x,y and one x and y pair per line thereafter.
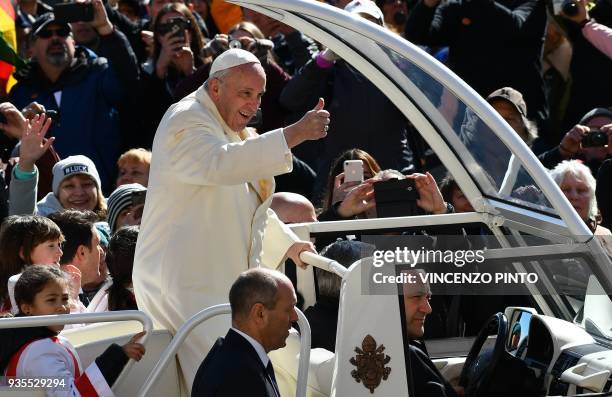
x,y
91,92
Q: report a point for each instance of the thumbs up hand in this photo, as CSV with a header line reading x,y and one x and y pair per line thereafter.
x,y
312,126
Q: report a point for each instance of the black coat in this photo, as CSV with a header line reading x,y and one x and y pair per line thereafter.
x,y
590,70
492,44
362,117
232,368
427,380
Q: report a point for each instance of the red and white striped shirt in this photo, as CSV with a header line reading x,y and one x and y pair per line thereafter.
x,y
56,358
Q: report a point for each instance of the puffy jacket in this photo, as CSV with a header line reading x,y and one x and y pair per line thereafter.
x,y
91,91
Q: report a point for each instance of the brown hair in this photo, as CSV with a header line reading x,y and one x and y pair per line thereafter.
x,y
197,39
33,280
369,164
19,235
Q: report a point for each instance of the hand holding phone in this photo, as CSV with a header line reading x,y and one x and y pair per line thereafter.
x,y
353,171
73,12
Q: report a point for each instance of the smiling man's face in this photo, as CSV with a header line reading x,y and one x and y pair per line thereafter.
x,y
237,94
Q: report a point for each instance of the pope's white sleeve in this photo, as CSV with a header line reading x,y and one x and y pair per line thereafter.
x,y
278,238
199,157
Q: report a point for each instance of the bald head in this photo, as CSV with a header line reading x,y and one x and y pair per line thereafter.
x,y
259,285
293,208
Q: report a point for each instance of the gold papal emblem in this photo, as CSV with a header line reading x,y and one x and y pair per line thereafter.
x,y
370,362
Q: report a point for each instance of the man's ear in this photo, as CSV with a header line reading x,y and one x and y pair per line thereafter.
x,y
214,88
21,254
81,253
258,314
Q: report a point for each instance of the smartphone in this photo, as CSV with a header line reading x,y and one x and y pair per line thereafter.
x,y
73,12
353,171
138,198
396,197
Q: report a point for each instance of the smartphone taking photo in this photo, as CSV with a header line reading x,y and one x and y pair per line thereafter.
x,y
73,12
353,171
396,197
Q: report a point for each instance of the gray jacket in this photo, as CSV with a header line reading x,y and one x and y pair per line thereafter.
x,y
22,195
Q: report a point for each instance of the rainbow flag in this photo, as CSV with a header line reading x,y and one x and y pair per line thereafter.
x,y
7,30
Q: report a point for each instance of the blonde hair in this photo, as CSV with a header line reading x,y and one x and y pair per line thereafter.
x,y
138,155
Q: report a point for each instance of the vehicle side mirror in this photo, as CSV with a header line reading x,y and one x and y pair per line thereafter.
x,y
518,331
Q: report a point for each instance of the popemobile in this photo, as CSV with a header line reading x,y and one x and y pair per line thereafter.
x,y
557,341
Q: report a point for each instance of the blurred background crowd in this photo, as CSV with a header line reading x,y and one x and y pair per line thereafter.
x,y
85,86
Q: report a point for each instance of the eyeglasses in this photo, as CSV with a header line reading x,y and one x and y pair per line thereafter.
x,y
48,33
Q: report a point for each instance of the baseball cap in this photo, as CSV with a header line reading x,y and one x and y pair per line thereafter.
x,y
45,20
367,7
511,95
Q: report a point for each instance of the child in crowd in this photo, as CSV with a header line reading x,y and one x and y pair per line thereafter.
x,y
26,240
120,260
39,351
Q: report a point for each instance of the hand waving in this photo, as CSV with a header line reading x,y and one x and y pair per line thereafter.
x,y
33,144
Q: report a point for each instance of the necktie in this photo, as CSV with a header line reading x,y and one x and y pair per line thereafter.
x,y
270,371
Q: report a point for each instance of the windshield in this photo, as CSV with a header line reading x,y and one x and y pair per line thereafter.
x,y
490,164
497,172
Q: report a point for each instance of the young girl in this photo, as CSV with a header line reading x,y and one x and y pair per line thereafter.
x,y
38,352
26,240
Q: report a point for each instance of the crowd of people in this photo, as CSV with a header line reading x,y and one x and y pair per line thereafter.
x,y
137,146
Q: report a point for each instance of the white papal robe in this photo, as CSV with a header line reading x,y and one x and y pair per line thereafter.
x,y
204,219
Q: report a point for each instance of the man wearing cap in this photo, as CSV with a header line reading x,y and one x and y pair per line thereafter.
x,y
207,216
84,89
509,103
573,147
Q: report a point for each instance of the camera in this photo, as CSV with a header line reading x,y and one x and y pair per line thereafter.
x,y
595,138
175,25
569,8
396,197
73,12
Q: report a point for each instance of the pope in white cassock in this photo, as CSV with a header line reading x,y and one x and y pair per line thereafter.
x,y
206,217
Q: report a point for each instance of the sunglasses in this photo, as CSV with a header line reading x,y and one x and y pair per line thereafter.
x,y
63,31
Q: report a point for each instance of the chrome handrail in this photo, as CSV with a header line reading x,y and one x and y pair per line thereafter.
x,y
170,351
79,318
323,263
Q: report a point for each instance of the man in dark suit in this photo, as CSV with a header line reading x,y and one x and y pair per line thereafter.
x,y
263,308
427,380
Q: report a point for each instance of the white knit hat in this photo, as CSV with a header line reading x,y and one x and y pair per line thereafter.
x,y
232,58
74,165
